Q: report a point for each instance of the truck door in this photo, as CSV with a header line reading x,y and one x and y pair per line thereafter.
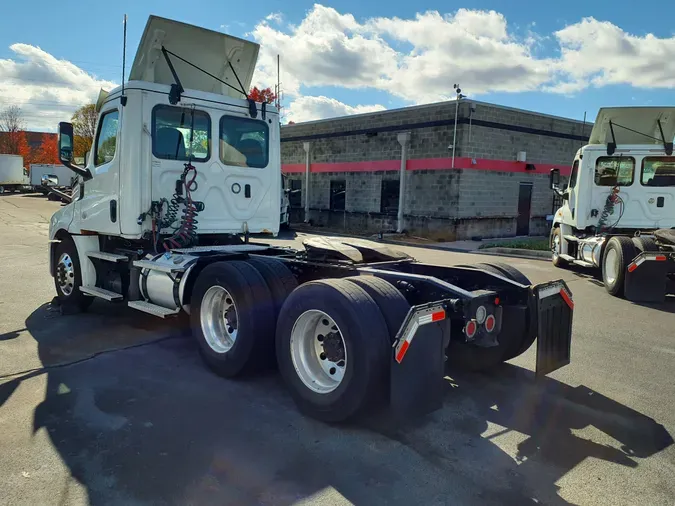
x,y
97,205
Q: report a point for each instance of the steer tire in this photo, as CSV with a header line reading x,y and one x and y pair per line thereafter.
x,y
626,252
364,333
645,244
75,300
556,258
254,316
509,272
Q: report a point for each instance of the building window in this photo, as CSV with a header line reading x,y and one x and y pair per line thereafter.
x,y
389,196
244,142
337,195
106,140
295,192
614,171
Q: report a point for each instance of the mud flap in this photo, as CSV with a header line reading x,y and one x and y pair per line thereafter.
x,y
646,278
554,308
417,368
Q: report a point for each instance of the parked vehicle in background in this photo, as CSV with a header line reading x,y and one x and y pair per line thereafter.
x,y
13,175
618,212
45,176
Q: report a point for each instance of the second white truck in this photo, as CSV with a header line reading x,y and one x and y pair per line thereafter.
x,y
618,209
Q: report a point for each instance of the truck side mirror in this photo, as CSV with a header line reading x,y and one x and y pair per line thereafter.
x,y
65,143
554,179
66,150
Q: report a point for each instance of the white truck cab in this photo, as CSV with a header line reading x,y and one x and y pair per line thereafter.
x,y
620,200
184,104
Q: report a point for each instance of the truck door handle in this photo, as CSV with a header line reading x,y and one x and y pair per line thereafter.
x,y
247,191
660,202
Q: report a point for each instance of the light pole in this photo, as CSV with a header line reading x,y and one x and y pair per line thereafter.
x,y
459,95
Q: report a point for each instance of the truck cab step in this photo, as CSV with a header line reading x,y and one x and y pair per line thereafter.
x,y
109,257
568,258
583,263
571,238
101,293
152,309
154,266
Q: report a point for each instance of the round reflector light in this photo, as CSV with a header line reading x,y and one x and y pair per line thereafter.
x,y
481,313
471,328
490,323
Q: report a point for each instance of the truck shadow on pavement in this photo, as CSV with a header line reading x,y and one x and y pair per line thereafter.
x,y
149,424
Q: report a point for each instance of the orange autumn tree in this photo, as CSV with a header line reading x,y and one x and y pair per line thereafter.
x,y
264,95
24,149
47,152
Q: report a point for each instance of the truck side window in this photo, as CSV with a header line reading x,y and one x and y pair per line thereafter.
x,y
106,139
573,176
658,171
244,142
171,133
614,171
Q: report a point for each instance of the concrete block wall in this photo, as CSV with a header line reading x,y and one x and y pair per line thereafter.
x,y
447,203
502,144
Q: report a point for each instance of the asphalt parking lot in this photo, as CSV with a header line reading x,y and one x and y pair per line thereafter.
x,y
115,407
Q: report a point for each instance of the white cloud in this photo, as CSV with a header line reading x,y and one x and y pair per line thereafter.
x,y
47,89
600,53
310,108
326,48
475,48
276,17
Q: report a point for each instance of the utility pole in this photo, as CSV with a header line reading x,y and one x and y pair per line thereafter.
x,y
458,96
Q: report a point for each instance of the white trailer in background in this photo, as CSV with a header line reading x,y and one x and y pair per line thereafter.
x,y
45,176
13,175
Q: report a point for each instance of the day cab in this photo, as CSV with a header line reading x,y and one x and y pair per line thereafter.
x,y
618,210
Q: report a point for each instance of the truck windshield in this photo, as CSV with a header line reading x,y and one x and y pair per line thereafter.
x,y
244,142
658,171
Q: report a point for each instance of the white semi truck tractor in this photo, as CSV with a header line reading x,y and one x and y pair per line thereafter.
x,y
184,167
618,209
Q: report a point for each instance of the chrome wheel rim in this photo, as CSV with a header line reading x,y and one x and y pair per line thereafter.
x,y
556,246
318,351
611,266
218,315
65,274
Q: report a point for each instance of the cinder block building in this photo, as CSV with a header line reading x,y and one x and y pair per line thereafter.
x,y
488,177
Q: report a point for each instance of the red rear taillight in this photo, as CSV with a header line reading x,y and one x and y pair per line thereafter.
x,y
490,323
471,328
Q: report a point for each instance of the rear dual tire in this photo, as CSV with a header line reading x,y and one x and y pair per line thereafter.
x,y
515,338
365,313
619,252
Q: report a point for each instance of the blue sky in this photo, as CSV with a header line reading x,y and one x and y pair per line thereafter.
x,y
354,56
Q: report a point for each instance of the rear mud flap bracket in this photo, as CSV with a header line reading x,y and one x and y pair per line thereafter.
x,y
417,368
